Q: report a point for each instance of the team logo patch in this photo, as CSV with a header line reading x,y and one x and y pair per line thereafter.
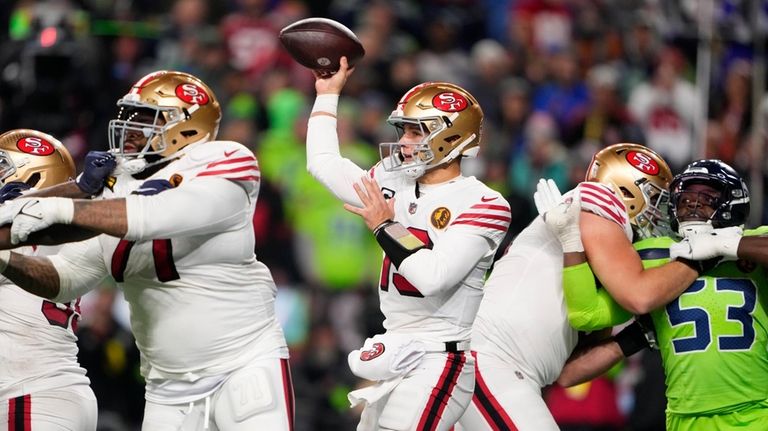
x,y
643,163
35,146
450,101
175,180
376,350
192,94
440,217
110,183
412,208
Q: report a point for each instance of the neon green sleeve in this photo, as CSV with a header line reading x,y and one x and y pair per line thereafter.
x,y
589,308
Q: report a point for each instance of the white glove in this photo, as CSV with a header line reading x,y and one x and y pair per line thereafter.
x,y
702,246
36,214
547,195
687,229
563,221
9,209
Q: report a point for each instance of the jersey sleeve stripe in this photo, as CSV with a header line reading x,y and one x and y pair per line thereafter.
x,y
604,210
246,178
605,194
228,171
490,207
501,227
228,161
484,215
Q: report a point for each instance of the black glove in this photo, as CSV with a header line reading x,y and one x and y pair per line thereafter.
x,y
152,187
12,190
97,168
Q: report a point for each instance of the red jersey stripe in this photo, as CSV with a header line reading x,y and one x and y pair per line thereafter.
x,y
228,171
490,207
602,190
237,160
481,224
607,210
484,215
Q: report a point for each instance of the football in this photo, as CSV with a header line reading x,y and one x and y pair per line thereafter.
x,y
319,44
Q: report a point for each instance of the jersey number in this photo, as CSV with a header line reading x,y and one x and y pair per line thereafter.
x,y
162,253
62,315
702,337
401,284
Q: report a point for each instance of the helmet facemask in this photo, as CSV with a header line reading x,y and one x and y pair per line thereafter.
x,y
148,121
652,220
421,154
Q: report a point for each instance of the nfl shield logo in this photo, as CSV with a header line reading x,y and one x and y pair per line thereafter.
x,y
412,208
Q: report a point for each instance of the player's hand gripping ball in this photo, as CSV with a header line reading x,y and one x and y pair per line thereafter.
x,y
319,44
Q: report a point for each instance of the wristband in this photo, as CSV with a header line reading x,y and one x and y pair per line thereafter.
x,y
5,257
397,242
327,103
631,339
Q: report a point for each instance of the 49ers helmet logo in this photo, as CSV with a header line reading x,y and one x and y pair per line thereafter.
x,y
450,101
376,350
643,163
192,94
35,146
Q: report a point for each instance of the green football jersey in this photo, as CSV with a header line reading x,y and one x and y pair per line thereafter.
x,y
714,337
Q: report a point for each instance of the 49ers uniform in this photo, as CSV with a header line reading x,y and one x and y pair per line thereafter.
x,y
515,358
202,305
434,294
41,380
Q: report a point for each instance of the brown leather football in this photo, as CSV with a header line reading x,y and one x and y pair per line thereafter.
x,y
319,44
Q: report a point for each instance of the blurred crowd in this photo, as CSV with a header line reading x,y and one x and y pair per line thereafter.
x,y
557,79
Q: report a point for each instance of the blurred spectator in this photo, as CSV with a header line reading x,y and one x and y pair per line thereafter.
x,y
564,95
604,120
731,110
544,157
666,107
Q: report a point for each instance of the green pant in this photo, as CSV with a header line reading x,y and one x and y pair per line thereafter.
x,y
752,416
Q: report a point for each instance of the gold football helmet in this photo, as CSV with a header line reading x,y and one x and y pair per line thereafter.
x,y
168,110
640,177
451,120
34,158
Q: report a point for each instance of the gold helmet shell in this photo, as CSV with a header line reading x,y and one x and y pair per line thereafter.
x,y
34,158
184,111
640,177
451,119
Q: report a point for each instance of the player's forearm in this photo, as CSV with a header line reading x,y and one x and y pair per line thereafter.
x,y
588,362
67,189
652,288
34,274
754,248
102,216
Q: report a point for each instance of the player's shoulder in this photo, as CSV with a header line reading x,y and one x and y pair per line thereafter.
x,y
222,159
481,206
219,150
758,231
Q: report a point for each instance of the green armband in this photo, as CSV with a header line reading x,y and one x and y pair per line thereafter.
x,y
589,308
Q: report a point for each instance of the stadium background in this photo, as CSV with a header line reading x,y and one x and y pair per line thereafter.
x,y
557,79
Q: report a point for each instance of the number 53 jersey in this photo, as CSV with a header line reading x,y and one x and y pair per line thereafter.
x,y
201,304
714,337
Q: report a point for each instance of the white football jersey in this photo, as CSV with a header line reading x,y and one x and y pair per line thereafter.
x,y
462,207
523,317
38,346
201,304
